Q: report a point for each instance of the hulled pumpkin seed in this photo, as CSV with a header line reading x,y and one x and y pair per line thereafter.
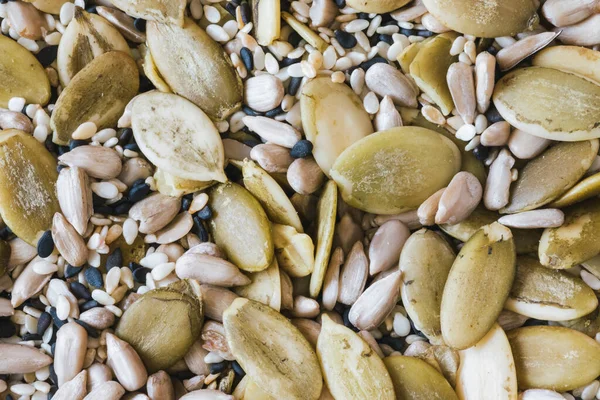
x,y
240,227
333,118
326,213
190,149
5,251
264,288
163,324
49,6
487,370
485,19
350,367
266,16
425,262
99,94
371,178
477,287
527,96
576,241
169,12
27,185
583,62
277,205
171,185
553,357
535,187
207,78
585,189
294,250
22,74
377,6
415,379
151,71
272,352
86,37
541,293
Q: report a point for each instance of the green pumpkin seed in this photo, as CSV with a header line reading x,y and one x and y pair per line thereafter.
x,y
326,213
588,325
170,12
294,250
583,62
485,19
477,286
425,262
576,241
163,324
22,74
5,251
333,118
264,288
585,189
98,93
416,380
27,185
536,187
240,227
553,357
272,351
545,294
171,185
527,96
151,71
207,78
377,6
396,170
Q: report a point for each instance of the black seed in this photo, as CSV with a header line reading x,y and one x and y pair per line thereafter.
x,y
93,277
534,322
199,229
53,376
3,1
424,33
217,367
123,208
250,111
103,210
285,5
493,115
7,328
5,233
375,60
47,55
52,392
387,39
395,343
71,271
97,200
237,368
31,336
92,10
286,62
133,266
481,152
140,24
245,12
35,303
125,136
8,396
138,192
303,148
274,112
247,58
60,168
185,204
347,40
233,174
294,39
230,7
73,144
407,32
294,85
44,322
80,291
114,259
57,321
91,331
363,15
140,274
251,142
346,320
88,305
205,213
132,147
45,245
145,84
492,50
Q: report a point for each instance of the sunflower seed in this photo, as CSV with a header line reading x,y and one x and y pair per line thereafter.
x,y
146,212
21,359
510,56
353,276
15,120
109,390
27,284
462,88
75,389
497,186
459,199
386,80
126,363
375,303
97,161
273,131
71,345
263,93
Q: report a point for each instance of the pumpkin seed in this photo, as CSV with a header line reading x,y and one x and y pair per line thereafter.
x,y
264,288
541,293
266,17
326,213
190,149
525,98
240,227
371,178
171,185
425,262
553,357
27,185
485,19
333,118
576,241
487,370
5,251
277,205
151,71
163,324
350,367
207,78
99,94
585,189
169,12
477,287
535,187
22,74
86,37
415,379
294,250
377,6
272,352
583,62
49,6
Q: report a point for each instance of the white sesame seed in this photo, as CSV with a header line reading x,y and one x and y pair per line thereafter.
x,y
371,103
85,131
338,77
111,142
343,64
212,358
271,64
388,30
115,310
94,259
106,190
44,267
356,25
31,324
63,307
375,23
231,28
112,279
66,13
406,25
43,387
34,312
104,135
458,45
329,58
29,44
394,51
481,123
16,104
505,41
102,297
127,277
295,70
433,115
217,33
3,386
212,14
401,325
466,132
154,259
22,389
162,271
590,279
473,143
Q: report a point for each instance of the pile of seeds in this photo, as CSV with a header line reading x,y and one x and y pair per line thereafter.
x,y
307,199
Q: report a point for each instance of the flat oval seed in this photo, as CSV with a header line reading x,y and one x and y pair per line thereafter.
x,y
416,379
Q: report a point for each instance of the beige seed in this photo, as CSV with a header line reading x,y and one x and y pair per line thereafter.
x,y
27,284
388,116
375,303
98,317
175,230
462,88
216,300
20,252
273,131
21,359
68,242
210,270
69,354
433,115
134,169
386,80
6,309
305,307
332,278
460,198
263,93
85,131
271,157
98,161
496,134
546,218
26,20
194,359
109,390
75,389
305,176
386,245
159,386
510,56
485,72
584,33
125,363
526,146
428,209
353,277
155,212
15,120
568,12
497,185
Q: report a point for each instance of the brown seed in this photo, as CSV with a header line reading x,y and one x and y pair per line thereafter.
x,y
353,277
159,386
271,157
21,359
20,252
97,375
68,242
385,80
263,92
497,186
305,176
485,71
510,56
496,134
134,169
210,270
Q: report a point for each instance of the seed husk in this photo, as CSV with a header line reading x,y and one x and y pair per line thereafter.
x,y
305,32
483,19
23,75
553,357
217,94
370,177
535,187
350,367
583,62
425,263
525,98
331,131
191,148
266,17
487,369
27,185
170,12
272,351
236,211
417,380
478,285
576,241
541,293
294,250
163,324
265,287
326,214
99,94
583,190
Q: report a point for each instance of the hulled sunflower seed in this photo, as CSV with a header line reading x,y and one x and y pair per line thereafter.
x,y
353,276
462,88
564,13
21,359
263,93
75,197
97,161
497,185
15,120
98,317
210,270
27,284
273,131
159,386
109,390
459,199
375,303
155,212
68,242
75,389
547,218
125,363
526,146
271,157
386,246
510,56
71,345
386,80
388,116
485,72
